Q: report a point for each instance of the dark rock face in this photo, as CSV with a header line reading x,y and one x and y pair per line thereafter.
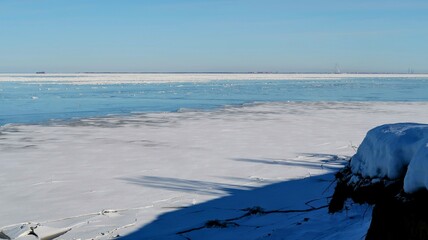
x,y
361,191
396,215
400,217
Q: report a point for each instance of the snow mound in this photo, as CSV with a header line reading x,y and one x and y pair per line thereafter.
x,y
394,151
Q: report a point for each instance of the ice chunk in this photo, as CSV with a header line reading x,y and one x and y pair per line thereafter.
x,y
32,231
16,231
48,233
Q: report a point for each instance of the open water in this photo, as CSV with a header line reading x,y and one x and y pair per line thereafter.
x,y
37,102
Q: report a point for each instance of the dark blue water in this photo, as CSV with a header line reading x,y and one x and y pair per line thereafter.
x,y
35,103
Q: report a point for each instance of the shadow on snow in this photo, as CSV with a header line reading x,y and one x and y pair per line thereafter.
x,y
234,210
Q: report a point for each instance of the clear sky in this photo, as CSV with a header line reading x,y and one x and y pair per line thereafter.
x,y
210,35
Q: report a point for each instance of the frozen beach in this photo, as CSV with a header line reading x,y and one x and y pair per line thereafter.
x,y
110,176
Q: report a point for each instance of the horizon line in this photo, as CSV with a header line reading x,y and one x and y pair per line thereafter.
x,y
208,72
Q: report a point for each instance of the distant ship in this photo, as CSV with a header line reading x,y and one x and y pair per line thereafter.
x,y
40,72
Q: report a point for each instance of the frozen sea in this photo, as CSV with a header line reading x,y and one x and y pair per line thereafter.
x,y
158,156
40,98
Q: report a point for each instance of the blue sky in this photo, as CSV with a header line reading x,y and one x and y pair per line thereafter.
x,y
210,35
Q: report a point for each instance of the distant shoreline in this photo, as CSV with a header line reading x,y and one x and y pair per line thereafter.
x,y
250,73
278,73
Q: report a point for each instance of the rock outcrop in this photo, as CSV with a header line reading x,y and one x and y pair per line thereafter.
x,y
390,171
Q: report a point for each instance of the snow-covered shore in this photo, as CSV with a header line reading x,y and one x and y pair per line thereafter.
x,y
111,176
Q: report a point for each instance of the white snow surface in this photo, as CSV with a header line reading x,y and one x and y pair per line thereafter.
x,y
159,175
393,151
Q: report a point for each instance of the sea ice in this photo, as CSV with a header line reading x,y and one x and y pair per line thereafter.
x,y
118,78
164,173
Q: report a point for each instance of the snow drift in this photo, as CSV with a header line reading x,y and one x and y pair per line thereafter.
x,y
395,151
